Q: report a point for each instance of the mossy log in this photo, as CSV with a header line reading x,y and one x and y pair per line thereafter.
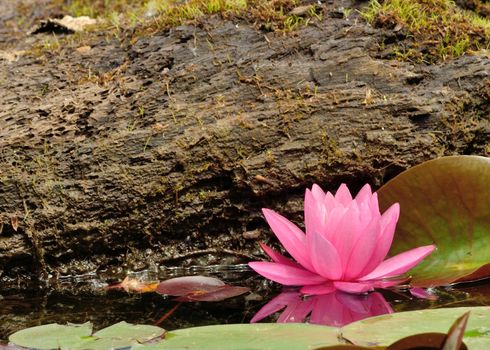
x,y
130,154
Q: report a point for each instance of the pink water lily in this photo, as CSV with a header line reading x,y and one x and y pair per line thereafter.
x,y
344,247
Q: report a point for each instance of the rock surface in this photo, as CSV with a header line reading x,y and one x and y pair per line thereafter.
x,y
125,154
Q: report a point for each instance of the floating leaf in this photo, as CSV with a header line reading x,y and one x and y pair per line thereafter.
x,y
77,337
181,286
373,331
138,332
447,202
423,293
121,335
199,288
219,294
104,344
52,336
263,336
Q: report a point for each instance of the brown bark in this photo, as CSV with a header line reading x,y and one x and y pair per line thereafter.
x,y
163,150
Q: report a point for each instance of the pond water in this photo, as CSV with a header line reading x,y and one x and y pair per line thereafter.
x,y
88,299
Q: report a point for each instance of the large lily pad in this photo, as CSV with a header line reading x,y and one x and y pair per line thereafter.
x,y
385,330
137,332
447,202
121,335
52,336
262,336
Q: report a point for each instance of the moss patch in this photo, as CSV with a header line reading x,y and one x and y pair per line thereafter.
x,y
156,15
431,30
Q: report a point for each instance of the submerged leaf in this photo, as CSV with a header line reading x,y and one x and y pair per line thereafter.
x,y
444,201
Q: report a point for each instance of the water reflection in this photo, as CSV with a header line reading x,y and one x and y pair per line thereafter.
x,y
334,309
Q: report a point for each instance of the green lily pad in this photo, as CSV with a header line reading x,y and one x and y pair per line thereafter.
x,y
104,344
52,336
134,332
445,201
385,330
121,335
78,337
260,336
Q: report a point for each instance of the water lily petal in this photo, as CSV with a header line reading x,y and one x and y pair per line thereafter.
x,y
285,274
353,287
389,282
364,195
347,233
379,305
296,311
423,293
374,205
276,304
400,263
388,224
335,217
318,289
324,256
317,193
383,242
355,303
291,237
343,195
362,251
330,202
315,214
328,311
278,257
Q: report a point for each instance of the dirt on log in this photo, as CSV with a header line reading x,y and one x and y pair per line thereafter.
x,y
129,154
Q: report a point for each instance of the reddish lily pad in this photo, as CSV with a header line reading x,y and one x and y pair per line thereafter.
x,y
199,288
447,202
219,294
181,286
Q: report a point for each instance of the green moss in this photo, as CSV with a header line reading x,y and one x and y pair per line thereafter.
x,y
437,29
101,8
331,152
156,15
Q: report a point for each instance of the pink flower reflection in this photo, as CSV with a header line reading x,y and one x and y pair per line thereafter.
x,y
335,309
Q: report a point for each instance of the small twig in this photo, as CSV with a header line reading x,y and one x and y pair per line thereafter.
x,y
168,314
